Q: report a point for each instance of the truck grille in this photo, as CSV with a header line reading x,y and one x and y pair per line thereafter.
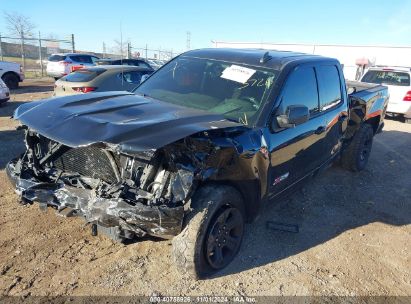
x,y
87,161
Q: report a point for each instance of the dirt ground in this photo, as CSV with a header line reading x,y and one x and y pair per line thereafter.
x,y
354,238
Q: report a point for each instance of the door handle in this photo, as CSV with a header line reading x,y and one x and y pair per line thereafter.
x,y
320,130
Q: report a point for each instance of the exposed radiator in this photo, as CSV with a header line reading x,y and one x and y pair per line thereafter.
x,y
88,161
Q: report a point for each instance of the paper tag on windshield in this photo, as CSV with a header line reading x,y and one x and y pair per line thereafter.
x,y
237,73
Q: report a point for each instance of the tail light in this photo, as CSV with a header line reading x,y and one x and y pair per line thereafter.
x,y
407,97
84,89
76,67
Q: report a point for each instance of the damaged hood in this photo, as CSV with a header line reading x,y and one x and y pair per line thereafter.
x,y
128,121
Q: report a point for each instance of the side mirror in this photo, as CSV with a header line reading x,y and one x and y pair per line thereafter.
x,y
294,115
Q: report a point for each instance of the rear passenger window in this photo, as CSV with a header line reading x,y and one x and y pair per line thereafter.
x,y
301,89
81,58
132,77
55,58
329,86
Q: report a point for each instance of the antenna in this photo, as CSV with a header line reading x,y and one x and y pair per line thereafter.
x,y
121,54
188,42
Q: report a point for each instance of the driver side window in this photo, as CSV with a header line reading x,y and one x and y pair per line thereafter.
x,y
301,89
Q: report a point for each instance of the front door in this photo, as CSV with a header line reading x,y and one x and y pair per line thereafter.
x,y
296,152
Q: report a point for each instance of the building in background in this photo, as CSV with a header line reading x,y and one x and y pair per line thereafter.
x,y
348,55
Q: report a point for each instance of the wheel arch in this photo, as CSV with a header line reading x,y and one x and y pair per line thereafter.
x,y
249,191
11,73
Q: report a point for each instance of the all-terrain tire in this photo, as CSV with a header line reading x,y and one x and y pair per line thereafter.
x,y
355,156
11,80
189,247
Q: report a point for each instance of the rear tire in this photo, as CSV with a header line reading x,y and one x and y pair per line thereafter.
x,y
213,232
356,155
11,81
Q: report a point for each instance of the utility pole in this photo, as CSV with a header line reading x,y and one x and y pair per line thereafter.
x,y
73,49
23,57
104,49
146,50
1,49
188,42
40,56
128,50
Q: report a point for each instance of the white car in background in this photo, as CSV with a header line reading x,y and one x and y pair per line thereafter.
x,y
398,81
4,92
60,65
11,73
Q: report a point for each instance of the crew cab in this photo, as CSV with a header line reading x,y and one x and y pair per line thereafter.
x,y
197,149
397,79
11,73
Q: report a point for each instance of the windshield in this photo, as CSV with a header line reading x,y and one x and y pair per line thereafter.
x,y
238,92
387,77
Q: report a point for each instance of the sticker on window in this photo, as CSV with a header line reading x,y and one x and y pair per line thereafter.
x,y
237,73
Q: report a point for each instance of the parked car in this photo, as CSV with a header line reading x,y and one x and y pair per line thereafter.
x,y
11,73
154,63
397,79
133,62
4,92
198,149
100,79
59,65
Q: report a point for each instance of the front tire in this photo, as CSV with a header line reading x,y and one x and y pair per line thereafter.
x,y
213,232
355,157
11,81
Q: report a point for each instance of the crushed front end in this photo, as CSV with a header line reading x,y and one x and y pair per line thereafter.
x,y
124,195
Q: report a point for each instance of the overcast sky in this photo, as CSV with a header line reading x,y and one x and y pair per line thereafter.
x,y
163,24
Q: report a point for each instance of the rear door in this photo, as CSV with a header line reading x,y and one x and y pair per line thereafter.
x,y
333,106
296,152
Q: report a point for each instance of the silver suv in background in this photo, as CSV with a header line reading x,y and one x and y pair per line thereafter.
x,y
60,65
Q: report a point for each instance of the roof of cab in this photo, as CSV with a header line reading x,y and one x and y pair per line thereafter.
x,y
253,56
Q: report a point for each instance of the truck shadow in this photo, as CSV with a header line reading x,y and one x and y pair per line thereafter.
x,y
33,89
7,108
334,202
11,146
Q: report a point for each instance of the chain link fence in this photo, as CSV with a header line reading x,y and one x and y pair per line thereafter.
x,y
32,52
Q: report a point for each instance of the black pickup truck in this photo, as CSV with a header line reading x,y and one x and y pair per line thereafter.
x,y
197,149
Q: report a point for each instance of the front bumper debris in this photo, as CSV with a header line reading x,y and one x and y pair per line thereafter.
x,y
114,216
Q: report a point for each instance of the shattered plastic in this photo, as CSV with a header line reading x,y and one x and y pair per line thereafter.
x,y
113,174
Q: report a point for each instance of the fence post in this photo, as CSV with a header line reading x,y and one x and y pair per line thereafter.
x,y
23,57
73,49
1,49
40,56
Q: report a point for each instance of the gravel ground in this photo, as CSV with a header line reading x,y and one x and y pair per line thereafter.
x,y
354,238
